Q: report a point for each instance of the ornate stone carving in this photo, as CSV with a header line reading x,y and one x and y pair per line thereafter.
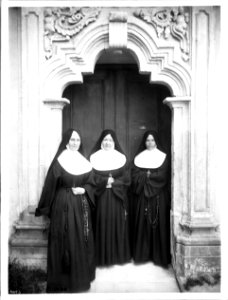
x,y
199,266
60,24
169,21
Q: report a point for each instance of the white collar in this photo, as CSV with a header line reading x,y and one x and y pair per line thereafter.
x,y
104,160
150,159
74,162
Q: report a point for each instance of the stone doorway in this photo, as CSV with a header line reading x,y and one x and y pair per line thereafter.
x,y
116,96
167,61
69,67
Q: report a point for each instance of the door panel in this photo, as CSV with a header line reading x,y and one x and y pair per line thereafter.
x,y
142,103
117,97
86,110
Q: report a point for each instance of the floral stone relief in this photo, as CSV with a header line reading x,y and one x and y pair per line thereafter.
x,y
60,24
169,22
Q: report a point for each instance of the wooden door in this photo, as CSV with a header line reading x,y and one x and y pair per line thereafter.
x,y
119,98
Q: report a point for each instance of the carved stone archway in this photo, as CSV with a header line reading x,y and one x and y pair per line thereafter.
x,y
153,57
118,30
158,39
121,29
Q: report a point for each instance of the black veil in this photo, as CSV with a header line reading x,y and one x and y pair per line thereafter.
x,y
142,145
62,146
102,136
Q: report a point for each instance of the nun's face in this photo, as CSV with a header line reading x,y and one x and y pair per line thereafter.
x,y
108,143
75,141
150,142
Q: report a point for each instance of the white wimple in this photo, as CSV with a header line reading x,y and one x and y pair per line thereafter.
x,y
74,162
104,160
150,159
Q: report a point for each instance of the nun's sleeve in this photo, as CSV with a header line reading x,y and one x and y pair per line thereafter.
x,y
156,181
138,180
48,192
90,187
124,179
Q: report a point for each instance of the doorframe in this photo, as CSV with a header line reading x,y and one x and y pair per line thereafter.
x,y
153,59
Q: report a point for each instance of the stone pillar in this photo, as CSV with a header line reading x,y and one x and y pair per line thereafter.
x,y
195,238
53,127
31,34
180,186
11,105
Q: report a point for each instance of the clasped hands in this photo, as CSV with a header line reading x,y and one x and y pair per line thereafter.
x,y
78,190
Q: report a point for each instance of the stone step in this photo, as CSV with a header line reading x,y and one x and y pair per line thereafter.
x,y
30,252
22,247
28,231
20,242
28,243
28,217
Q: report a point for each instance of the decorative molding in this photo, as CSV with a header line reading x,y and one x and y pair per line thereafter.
x,y
56,103
118,16
169,21
60,24
159,62
118,35
190,226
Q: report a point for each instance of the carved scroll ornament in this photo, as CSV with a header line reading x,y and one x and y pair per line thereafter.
x,y
60,24
169,21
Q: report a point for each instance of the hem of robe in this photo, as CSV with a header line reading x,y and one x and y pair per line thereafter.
x,y
55,289
138,261
117,262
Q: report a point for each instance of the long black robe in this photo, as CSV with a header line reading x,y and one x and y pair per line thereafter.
x,y
71,265
111,218
150,215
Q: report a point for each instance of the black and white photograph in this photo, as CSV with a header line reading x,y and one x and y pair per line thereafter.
x,y
113,151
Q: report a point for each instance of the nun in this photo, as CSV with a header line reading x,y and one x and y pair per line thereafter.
x,y
150,203
112,180
68,200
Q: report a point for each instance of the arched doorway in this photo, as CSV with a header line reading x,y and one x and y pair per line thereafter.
x,y
194,230
72,68
116,96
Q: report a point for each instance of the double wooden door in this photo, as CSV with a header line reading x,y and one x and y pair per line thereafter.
x,y
117,97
